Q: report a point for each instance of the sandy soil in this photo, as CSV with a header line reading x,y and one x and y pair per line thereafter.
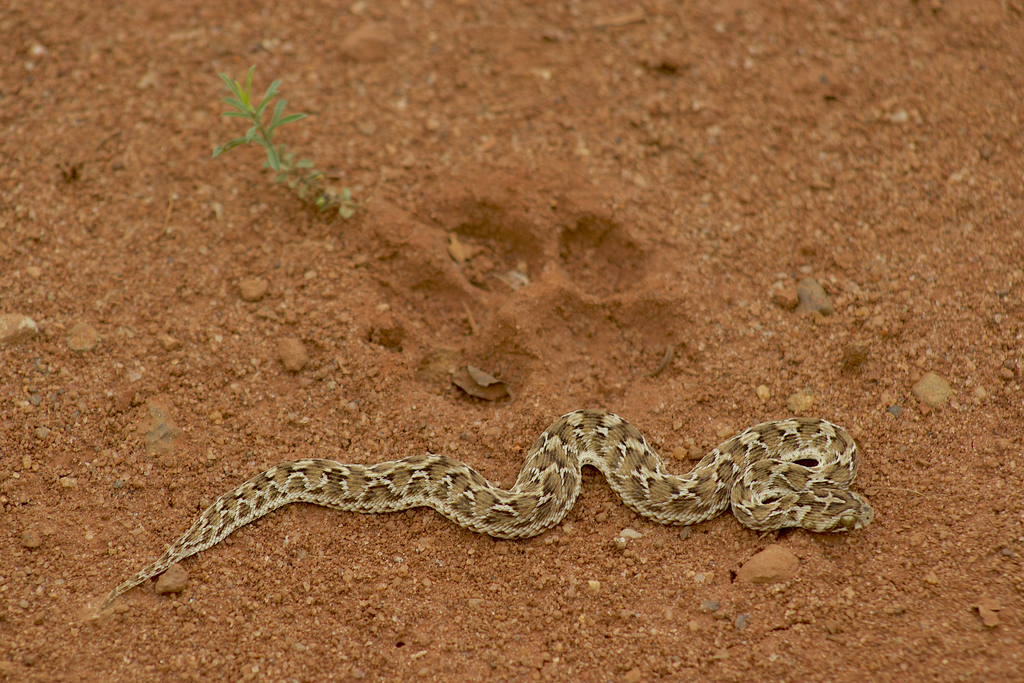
x,y
660,176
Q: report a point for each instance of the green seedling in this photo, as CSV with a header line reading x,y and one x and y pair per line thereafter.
x,y
297,174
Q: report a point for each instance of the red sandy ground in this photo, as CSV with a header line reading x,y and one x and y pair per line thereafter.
x,y
657,171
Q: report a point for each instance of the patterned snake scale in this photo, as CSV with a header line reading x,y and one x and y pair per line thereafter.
x,y
788,473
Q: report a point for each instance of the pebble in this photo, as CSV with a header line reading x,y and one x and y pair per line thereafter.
x,y
932,390
160,430
854,355
685,533
786,297
741,622
168,342
42,432
709,606
593,586
83,337
31,539
293,354
813,298
253,288
15,329
634,675
988,610
369,43
69,482
174,580
774,564
631,533
800,402
763,393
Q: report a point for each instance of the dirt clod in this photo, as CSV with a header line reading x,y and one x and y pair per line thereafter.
x,y
83,337
932,390
31,539
292,353
174,580
15,329
774,564
253,289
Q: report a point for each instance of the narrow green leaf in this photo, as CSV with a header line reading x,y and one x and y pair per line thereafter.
x,y
290,118
304,163
273,159
248,86
346,211
278,109
236,114
250,134
271,92
237,104
232,86
263,105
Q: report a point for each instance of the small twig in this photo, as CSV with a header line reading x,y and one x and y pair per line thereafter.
x,y
474,330
99,147
167,218
170,208
670,353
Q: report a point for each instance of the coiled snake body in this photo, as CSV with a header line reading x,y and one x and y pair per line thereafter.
x,y
792,472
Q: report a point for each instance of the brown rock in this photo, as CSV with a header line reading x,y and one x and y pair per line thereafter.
x,y
813,298
786,297
774,564
854,355
15,329
174,580
932,390
799,403
369,43
160,431
253,288
168,342
988,610
293,354
83,337
31,539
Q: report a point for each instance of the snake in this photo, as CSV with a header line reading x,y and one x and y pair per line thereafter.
x,y
793,472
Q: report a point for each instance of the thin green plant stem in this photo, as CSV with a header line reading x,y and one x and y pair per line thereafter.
x,y
299,175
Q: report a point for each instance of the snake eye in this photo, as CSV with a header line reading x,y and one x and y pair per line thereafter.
x,y
849,522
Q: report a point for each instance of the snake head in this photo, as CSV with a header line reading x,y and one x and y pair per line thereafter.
x,y
857,517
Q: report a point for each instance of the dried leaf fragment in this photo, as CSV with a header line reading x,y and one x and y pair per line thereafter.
x,y
461,252
988,609
478,383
